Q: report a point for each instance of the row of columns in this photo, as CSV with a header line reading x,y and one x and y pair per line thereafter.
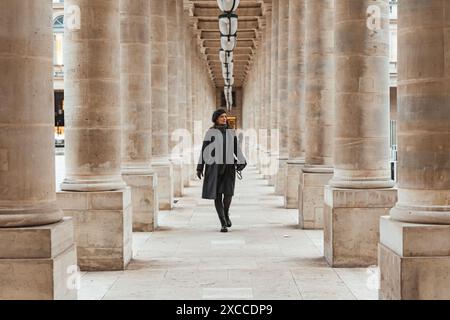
x,y
337,116
135,87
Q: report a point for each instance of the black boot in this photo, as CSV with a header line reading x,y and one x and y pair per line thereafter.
x,y
223,221
227,218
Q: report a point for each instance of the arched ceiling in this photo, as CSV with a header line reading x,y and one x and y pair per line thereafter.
x,y
204,20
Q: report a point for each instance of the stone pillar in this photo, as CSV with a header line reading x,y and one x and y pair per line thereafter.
x,y
36,243
296,101
262,132
159,102
414,254
137,114
189,124
268,93
174,73
182,89
197,135
93,192
283,110
360,191
319,112
274,114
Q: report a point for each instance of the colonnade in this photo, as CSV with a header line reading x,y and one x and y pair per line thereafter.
x,y
338,169
317,94
136,87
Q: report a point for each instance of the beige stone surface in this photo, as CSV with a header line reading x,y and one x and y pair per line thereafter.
x,y
296,79
135,81
178,174
280,177
414,260
361,136
320,82
423,141
282,74
27,196
144,201
93,130
165,188
351,224
159,102
37,263
413,278
311,199
293,173
103,227
274,111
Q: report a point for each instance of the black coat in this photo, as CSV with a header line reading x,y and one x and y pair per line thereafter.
x,y
219,176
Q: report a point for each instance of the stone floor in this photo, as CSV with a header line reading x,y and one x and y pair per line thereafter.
x,y
265,256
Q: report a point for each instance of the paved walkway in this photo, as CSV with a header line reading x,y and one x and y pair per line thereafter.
x,y
264,256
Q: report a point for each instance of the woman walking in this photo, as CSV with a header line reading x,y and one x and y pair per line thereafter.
x,y
220,158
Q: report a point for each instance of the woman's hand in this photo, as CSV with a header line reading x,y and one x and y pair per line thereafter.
x,y
200,174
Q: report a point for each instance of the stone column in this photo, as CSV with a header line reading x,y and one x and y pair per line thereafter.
x,y
93,192
36,243
296,101
159,102
174,73
360,191
283,110
262,132
197,135
414,254
268,94
274,114
189,124
319,112
182,87
137,114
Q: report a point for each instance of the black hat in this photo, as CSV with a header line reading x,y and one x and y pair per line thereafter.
x,y
217,114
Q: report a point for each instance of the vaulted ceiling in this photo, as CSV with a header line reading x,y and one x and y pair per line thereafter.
x,y
204,20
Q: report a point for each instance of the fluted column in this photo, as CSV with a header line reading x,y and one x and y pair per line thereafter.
x,y
274,112
414,257
27,160
319,112
360,189
159,102
137,114
296,100
283,110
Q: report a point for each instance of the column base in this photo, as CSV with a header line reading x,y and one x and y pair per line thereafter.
x,y
103,227
414,261
351,224
37,263
311,199
292,178
144,201
186,175
178,183
165,186
280,184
